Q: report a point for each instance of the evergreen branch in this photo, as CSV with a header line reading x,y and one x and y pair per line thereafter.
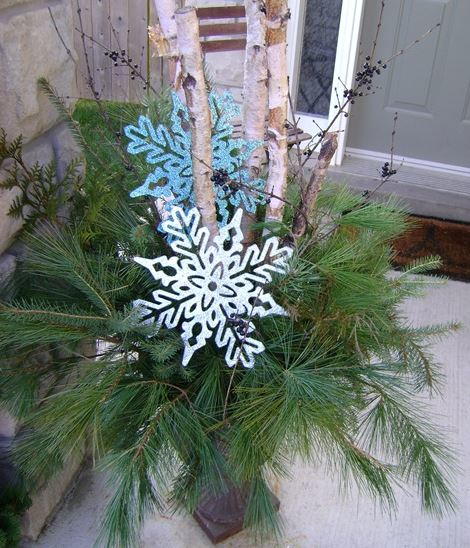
x,y
427,367
57,253
134,498
422,455
57,102
41,312
422,265
261,515
435,332
170,434
368,472
183,393
150,429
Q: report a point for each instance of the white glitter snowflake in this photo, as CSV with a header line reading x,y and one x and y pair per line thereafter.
x,y
213,289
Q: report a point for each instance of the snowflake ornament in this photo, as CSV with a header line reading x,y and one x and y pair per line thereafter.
x,y
213,289
169,150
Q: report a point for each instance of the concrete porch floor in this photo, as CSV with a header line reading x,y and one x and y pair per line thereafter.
x,y
425,192
315,514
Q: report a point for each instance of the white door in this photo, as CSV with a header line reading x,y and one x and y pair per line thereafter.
x,y
323,39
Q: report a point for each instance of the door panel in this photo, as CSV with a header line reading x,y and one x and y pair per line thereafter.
x,y
412,76
429,86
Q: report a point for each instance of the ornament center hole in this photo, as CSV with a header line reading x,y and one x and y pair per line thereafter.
x,y
212,286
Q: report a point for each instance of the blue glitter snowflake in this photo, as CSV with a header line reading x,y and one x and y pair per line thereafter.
x,y
169,149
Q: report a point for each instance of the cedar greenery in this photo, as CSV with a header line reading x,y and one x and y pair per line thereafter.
x,y
40,193
337,384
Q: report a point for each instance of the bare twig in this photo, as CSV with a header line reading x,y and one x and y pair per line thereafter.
x,y
377,31
299,172
61,38
270,195
411,44
90,79
388,169
368,194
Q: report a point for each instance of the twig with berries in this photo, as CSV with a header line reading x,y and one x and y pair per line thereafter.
x,y
245,185
91,85
90,81
125,60
222,179
387,172
241,326
122,149
118,57
364,82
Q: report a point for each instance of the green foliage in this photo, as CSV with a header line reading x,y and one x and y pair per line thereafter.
x,y
14,501
111,172
74,128
40,193
337,384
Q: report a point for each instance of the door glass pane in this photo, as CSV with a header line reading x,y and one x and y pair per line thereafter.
x,y
317,63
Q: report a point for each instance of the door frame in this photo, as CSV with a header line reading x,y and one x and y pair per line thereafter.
x,y
345,64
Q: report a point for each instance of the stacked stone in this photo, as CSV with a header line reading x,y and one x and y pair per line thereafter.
x,y
31,48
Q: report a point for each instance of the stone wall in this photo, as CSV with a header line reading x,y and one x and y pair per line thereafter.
x,y
30,48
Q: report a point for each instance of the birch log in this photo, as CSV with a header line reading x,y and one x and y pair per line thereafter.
x,y
310,193
277,17
255,96
195,90
255,91
165,39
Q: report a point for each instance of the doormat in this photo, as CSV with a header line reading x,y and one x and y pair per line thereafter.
x,y
449,240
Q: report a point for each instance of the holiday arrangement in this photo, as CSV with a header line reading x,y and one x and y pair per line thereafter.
x,y
211,319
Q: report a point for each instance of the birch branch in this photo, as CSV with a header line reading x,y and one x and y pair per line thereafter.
x,y
277,17
195,90
255,91
310,193
255,95
164,37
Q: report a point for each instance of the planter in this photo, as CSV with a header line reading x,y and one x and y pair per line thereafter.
x,y
222,516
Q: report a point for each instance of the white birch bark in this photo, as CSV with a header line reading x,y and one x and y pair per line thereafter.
x,y
195,90
255,95
277,17
164,37
165,11
255,91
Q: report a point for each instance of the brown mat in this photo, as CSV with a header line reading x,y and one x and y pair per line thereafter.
x,y
448,239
